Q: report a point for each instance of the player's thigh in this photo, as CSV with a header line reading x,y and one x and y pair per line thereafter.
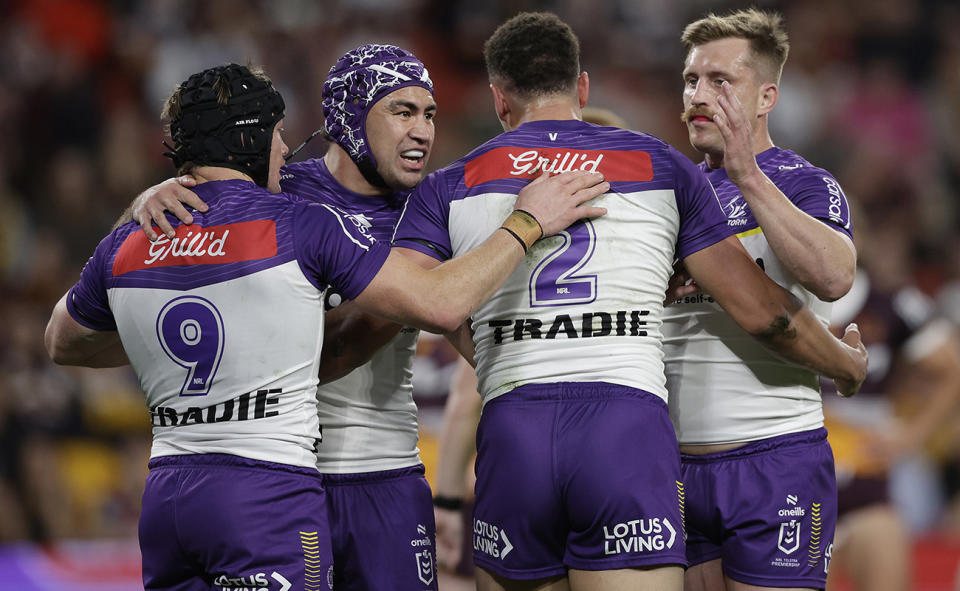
x,y
734,585
382,530
662,578
489,581
706,576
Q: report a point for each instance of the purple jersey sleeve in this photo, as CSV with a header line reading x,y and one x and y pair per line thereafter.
x,y
423,223
818,194
336,249
87,300
702,220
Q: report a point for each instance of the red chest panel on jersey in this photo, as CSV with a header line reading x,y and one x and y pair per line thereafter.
x,y
529,163
196,245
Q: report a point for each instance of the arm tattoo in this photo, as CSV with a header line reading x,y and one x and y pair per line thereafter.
x,y
779,329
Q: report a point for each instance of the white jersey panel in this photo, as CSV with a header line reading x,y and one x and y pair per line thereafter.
x,y
368,417
255,394
585,305
724,385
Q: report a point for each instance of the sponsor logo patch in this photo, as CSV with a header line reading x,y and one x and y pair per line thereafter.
x,y
639,535
195,245
529,163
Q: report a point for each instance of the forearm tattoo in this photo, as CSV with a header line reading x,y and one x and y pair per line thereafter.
x,y
779,330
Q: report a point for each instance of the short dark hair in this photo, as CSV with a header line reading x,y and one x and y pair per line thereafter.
x,y
763,30
533,53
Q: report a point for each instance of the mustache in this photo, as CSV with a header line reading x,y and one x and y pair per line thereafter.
x,y
692,112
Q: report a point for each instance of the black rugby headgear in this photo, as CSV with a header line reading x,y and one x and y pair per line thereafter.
x,y
235,135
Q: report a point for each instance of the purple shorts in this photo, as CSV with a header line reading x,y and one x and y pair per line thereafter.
x,y
383,532
767,509
213,521
576,475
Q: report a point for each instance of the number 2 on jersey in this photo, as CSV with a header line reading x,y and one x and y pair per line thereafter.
x,y
190,330
554,282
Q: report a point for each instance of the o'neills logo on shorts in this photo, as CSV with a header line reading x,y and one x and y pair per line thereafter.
x,y
529,163
195,245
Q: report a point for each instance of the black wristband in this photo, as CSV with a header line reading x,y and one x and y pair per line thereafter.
x,y
449,503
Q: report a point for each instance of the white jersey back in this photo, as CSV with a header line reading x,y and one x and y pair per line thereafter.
x,y
585,305
724,385
259,405
223,325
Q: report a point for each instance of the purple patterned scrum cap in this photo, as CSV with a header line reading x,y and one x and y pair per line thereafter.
x,y
355,83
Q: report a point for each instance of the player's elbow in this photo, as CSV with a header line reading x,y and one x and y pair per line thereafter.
x,y
758,325
444,321
832,285
57,349
444,314
832,277
768,319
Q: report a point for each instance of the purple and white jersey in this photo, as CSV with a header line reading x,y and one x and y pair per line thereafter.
x,y
724,385
224,323
368,417
585,305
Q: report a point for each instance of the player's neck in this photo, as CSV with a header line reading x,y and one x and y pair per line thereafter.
x,y
545,110
204,174
346,172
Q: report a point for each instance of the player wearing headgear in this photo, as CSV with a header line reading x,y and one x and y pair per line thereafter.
x,y
578,471
437,298
379,107
230,393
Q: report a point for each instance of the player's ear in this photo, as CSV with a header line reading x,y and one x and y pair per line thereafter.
x,y
769,93
500,103
583,89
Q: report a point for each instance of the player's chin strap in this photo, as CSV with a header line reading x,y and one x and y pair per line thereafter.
x,y
367,169
303,145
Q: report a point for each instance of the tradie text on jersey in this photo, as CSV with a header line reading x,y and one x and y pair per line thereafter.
x,y
531,162
192,244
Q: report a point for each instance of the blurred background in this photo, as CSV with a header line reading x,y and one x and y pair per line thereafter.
x,y
871,92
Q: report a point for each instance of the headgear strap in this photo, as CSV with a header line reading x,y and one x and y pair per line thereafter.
x,y
354,84
235,135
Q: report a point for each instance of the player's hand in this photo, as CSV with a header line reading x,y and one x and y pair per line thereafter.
x,y
849,386
681,284
557,201
148,207
449,538
739,159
